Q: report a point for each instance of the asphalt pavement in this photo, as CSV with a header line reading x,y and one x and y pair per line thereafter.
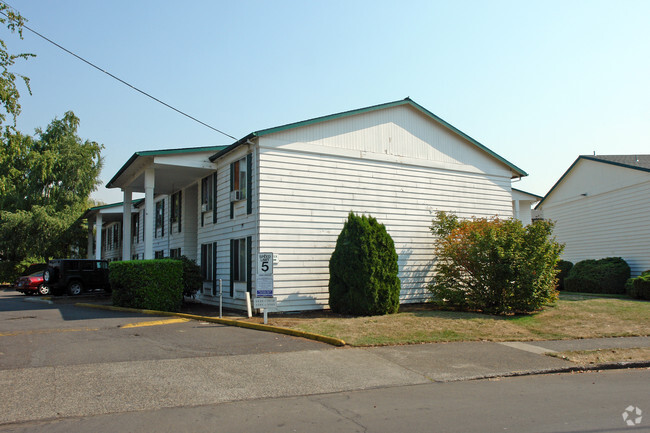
x,y
273,367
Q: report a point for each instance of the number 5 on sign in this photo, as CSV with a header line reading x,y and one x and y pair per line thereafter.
x,y
265,264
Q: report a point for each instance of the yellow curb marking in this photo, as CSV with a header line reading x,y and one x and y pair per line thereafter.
x,y
155,323
45,331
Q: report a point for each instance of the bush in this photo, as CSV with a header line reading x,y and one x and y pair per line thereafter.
x,y
607,275
564,266
148,284
639,287
494,266
192,279
363,269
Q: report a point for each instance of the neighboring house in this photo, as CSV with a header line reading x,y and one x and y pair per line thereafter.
x,y
601,209
288,190
522,203
107,220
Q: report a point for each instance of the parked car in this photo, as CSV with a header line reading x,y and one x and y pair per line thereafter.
x,y
76,275
31,283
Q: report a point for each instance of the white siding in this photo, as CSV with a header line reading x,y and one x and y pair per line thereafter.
x,y
615,223
305,199
225,229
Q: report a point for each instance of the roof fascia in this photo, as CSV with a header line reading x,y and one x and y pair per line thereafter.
x,y
559,181
143,153
408,101
539,197
618,164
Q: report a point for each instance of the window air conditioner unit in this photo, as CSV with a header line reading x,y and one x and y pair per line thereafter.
x,y
204,207
236,195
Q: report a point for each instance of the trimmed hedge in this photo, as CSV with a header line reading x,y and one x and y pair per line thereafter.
x,y
147,284
363,269
639,287
607,275
564,266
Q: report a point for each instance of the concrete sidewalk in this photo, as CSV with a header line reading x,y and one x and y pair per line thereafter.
x,y
83,390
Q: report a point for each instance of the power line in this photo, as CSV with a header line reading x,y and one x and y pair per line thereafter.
x,y
119,79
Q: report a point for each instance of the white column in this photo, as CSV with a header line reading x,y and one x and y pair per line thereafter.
x,y
517,215
149,183
89,254
98,236
126,224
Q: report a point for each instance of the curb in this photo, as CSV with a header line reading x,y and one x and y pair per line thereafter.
x,y
230,322
573,369
43,300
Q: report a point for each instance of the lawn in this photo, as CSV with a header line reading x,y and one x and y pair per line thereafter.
x,y
572,316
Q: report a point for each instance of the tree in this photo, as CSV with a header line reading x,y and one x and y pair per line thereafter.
x,y
495,266
9,94
363,269
45,184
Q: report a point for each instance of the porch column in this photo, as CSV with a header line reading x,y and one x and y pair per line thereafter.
x,y
89,253
126,224
149,183
98,237
517,214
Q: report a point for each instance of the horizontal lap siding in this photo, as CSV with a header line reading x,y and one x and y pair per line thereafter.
x,y
613,224
305,199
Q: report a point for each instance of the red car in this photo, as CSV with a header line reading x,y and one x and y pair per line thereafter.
x,y
32,284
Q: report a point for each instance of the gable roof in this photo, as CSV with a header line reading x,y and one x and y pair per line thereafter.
x,y
406,101
530,194
144,153
633,162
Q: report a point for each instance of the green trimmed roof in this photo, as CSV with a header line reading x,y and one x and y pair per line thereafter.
x,y
136,155
407,101
134,203
634,162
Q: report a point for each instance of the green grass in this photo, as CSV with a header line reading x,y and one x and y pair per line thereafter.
x,y
573,316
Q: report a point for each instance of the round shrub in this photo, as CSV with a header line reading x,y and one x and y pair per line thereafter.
x,y
564,266
363,269
607,275
639,287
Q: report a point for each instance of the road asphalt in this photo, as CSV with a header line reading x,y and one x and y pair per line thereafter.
x,y
113,387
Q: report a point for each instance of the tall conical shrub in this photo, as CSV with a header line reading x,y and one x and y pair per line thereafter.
x,y
363,269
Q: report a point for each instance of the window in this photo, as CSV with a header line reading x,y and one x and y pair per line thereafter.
x,y
159,254
160,218
175,253
135,227
239,260
116,236
207,270
175,208
206,193
135,256
240,180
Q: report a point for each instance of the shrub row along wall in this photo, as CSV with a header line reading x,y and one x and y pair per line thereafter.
x,y
607,275
149,284
639,287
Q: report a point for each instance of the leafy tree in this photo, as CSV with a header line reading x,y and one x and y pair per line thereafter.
x,y
363,269
493,265
45,184
9,94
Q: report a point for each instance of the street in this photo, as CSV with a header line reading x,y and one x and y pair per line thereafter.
x,y
65,368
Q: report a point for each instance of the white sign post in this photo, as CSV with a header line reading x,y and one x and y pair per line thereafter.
x,y
264,299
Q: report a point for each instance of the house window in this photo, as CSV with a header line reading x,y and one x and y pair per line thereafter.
x,y
175,253
175,208
240,179
207,270
160,218
160,254
239,260
135,256
135,227
116,236
206,193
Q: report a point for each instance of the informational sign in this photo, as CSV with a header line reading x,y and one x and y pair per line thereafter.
x,y
264,281
264,286
267,304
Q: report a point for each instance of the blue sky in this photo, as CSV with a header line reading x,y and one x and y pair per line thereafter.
x,y
538,82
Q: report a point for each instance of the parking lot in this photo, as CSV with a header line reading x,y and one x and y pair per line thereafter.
x,y
37,334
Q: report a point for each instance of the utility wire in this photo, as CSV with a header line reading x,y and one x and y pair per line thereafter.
x,y
120,80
